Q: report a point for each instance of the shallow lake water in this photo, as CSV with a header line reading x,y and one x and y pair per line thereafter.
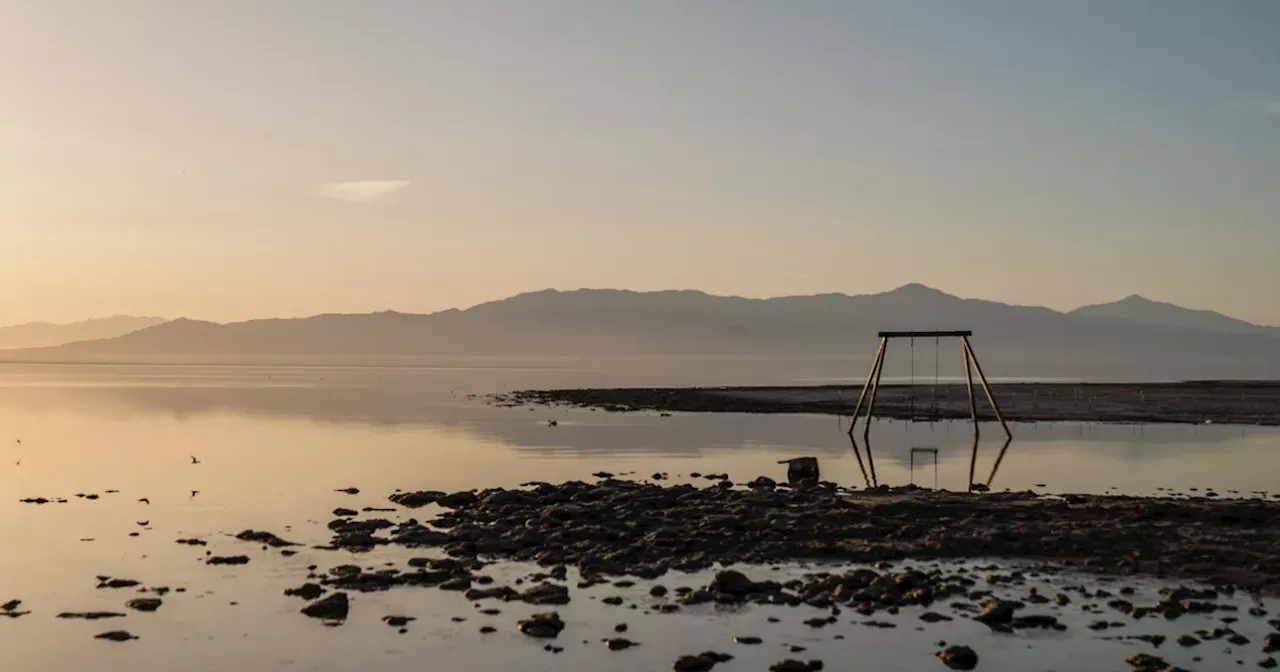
x,y
274,444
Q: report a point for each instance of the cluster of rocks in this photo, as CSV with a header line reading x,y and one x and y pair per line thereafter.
x,y
615,527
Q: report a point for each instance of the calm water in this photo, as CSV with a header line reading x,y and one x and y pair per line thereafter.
x,y
275,443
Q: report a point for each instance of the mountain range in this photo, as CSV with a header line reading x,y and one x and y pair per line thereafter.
x,y
46,334
1133,338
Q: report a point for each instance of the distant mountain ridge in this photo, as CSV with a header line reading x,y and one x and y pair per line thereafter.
x,y
47,334
1136,308
1132,338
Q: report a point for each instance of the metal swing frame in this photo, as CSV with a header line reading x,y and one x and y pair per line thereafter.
x,y
970,364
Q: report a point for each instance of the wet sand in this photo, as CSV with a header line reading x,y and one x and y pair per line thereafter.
x,y
1220,402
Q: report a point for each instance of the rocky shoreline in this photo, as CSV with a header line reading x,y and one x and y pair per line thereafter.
x,y
1216,402
615,527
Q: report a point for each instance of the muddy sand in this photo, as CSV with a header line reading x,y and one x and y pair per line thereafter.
x,y
1219,402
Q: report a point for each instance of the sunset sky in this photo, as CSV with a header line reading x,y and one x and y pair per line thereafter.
x,y
232,159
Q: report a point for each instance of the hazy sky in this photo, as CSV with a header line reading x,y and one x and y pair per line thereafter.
x,y
227,159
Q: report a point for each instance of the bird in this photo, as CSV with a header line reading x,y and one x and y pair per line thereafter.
x,y
19,442
144,500
194,460
194,493
143,523
18,463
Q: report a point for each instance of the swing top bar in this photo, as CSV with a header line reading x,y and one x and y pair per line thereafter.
x,y
925,334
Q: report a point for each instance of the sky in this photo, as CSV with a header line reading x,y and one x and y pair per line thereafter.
x,y
234,159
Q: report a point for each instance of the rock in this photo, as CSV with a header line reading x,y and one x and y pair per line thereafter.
x,y
699,663
228,560
89,615
934,617
108,582
193,542
1143,662
1122,606
658,591
504,593
458,499
144,604
460,583
816,665
619,644
789,665
997,612
1037,621
267,538
115,636
959,657
1188,641
546,594
331,608
732,582
398,621
749,641
546,625
487,629
1238,639
345,512
613,600
1267,663
763,482
307,591
415,500
1061,600
1271,642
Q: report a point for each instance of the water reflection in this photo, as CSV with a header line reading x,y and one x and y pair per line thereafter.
x,y
374,403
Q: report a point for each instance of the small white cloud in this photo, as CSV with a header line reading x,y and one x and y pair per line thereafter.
x,y
1274,107
364,191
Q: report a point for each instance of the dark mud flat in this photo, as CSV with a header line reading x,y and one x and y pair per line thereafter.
x,y
1221,402
616,527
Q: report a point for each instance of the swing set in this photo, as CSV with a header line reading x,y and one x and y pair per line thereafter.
x,y
872,386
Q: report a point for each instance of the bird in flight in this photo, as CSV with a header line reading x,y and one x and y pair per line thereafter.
x,y
194,460
194,493
144,523
144,500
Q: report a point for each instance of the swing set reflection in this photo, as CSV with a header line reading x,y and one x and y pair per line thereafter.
x,y
868,466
